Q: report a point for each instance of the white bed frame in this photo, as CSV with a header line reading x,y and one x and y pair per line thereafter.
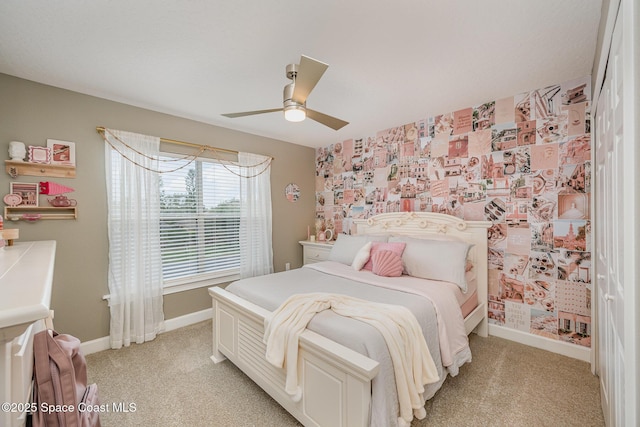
x,y
335,380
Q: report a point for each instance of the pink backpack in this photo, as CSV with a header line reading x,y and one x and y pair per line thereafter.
x,y
60,383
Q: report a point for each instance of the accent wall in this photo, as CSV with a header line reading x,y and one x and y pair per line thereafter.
x,y
521,162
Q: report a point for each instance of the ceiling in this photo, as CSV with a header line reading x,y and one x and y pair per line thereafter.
x,y
390,63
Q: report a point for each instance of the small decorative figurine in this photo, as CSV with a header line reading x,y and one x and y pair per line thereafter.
x,y
17,151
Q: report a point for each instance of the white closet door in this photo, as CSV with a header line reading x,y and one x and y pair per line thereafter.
x,y
616,246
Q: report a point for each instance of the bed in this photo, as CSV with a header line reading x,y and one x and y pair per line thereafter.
x,y
345,382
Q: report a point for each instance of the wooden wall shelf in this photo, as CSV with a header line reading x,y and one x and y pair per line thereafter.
x,y
14,169
32,213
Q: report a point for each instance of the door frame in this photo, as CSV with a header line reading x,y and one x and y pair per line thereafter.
x,y
631,204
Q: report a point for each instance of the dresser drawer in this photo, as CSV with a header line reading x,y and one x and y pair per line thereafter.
x,y
316,254
315,251
22,368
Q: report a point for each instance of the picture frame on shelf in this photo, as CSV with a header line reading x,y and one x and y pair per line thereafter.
x,y
62,152
39,154
29,191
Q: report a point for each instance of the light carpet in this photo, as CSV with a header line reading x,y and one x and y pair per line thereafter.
x,y
171,381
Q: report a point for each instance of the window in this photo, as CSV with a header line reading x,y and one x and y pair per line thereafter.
x,y
199,221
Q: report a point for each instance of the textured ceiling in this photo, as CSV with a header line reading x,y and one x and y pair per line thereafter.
x,y
390,62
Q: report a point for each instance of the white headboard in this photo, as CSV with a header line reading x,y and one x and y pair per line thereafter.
x,y
423,224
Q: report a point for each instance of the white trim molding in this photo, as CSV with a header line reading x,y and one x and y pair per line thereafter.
x,y
101,344
554,346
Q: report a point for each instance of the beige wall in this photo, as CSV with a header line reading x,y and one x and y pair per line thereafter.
x,y
32,113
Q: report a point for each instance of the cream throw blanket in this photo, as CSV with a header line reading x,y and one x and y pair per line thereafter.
x,y
412,362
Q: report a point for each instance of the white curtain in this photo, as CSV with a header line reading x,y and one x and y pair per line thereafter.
x,y
256,251
135,265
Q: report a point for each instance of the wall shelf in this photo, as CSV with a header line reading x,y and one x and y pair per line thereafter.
x,y
33,213
14,169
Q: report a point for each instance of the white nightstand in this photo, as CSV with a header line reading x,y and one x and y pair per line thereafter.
x,y
315,251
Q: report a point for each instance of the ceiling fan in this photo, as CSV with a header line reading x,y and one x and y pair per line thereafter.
x,y
304,78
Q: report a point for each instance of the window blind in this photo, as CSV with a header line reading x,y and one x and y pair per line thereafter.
x,y
199,220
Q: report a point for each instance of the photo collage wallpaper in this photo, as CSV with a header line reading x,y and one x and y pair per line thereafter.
x,y
522,163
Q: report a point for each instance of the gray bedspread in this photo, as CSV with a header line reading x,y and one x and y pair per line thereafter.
x,y
271,291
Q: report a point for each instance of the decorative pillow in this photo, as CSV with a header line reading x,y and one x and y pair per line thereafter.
x,y
362,256
346,247
397,247
436,259
387,263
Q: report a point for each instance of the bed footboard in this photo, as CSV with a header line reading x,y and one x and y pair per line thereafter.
x,y
335,380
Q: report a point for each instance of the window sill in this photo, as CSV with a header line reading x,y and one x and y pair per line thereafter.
x,y
183,287
172,289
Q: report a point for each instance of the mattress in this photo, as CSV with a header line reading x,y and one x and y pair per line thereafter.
x,y
467,301
271,291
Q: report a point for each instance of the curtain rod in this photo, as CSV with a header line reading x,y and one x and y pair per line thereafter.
x,y
100,129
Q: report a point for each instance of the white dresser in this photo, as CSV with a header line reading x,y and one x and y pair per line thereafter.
x,y
315,251
26,276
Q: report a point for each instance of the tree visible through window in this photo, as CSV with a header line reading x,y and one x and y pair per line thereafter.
x,y
199,220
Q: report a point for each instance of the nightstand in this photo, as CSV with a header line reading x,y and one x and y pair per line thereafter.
x,y
315,251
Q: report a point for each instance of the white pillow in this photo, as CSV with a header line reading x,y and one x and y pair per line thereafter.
x,y
444,260
362,256
346,247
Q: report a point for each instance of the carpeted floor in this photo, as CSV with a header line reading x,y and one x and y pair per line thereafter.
x,y
172,382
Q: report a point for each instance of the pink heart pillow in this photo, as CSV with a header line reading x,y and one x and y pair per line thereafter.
x,y
395,247
387,263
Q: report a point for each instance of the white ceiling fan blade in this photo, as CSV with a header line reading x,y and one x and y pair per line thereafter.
x,y
308,75
326,120
251,113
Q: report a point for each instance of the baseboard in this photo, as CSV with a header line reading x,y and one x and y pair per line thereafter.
x,y
188,319
554,346
100,344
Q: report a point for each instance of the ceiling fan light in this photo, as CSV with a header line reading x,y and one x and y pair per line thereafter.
x,y
295,113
